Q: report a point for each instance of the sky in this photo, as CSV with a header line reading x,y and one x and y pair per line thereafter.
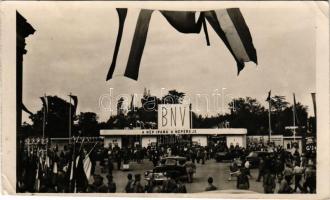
x,y
72,49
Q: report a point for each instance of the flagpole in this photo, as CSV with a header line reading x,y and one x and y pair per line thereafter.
x,y
269,121
69,116
190,111
44,119
294,119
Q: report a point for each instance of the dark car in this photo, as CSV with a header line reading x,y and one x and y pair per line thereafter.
x,y
255,156
222,156
169,166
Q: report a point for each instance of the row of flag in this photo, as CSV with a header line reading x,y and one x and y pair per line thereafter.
x,y
80,168
313,94
269,98
49,103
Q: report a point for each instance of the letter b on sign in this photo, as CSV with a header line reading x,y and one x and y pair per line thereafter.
x,y
173,116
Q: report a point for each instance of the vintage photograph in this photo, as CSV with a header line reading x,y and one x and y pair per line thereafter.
x,y
216,98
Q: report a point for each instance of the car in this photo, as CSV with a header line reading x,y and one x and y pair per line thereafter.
x,y
255,156
169,166
222,156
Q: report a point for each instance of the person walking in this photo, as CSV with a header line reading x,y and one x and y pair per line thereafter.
x,y
261,169
129,186
297,172
310,179
181,188
285,187
243,180
137,186
111,185
269,182
169,186
191,169
98,186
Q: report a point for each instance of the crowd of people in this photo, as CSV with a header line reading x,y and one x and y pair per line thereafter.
x,y
48,169
280,171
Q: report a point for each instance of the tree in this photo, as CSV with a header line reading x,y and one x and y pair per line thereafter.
x,y
88,124
278,103
247,113
173,97
285,118
57,118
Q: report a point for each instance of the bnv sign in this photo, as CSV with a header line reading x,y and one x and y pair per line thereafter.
x,y
173,116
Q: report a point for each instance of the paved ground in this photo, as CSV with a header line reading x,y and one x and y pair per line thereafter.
x,y
219,172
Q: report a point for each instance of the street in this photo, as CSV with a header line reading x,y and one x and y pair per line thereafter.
x,y
219,172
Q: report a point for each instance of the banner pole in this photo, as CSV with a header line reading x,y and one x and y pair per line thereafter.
x,y
269,121
69,117
44,119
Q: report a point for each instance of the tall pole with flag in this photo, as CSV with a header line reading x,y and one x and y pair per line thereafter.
x,y
269,115
190,111
44,119
294,117
315,113
70,117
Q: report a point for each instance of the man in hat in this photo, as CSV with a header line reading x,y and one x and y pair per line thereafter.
x,y
111,184
210,186
242,180
269,182
310,178
98,186
130,184
191,169
297,172
138,188
170,186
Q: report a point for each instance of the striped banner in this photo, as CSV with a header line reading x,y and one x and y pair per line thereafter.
x,y
229,24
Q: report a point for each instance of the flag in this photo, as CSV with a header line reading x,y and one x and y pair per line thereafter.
x,y
294,102
72,170
269,96
55,170
75,103
314,103
139,40
132,103
47,162
294,107
26,110
229,25
87,165
45,103
122,13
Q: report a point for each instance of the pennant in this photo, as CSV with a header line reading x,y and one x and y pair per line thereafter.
x,y
269,96
229,25
75,103
122,13
87,164
314,103
55,170
26,110
139,40
72,170
294,107
47,162
45,103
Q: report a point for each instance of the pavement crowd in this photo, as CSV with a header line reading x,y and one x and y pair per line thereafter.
x,y
114,169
